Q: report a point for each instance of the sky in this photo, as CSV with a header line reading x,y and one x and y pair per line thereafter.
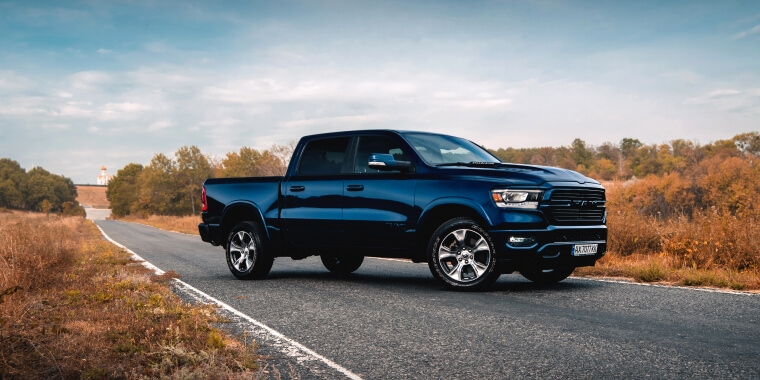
x,y
91,83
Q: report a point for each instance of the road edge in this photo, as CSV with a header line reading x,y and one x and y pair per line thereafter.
x,y
280,342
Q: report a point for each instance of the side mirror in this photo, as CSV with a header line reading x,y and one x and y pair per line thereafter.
x,y
386,162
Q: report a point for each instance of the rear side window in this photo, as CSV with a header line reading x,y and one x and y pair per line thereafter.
x,y
323,157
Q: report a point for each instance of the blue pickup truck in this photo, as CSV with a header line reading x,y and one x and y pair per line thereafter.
x,y
420,196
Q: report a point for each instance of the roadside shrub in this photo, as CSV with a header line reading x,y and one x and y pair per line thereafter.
x,y
713,239
706,218
630,232
730,185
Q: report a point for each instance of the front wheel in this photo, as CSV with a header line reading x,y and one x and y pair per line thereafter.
x,y
461,255
246,256
342,263
546,276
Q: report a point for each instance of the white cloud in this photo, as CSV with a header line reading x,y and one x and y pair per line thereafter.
x,y
730,100
163,124
104,51
224,122
352,122
122,111
11,80
747,33
75,111
56,126
483,103
23,106
90,80
157,47
685,76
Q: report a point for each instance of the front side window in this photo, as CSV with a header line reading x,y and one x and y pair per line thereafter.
x,y
323,157
375,144
442,149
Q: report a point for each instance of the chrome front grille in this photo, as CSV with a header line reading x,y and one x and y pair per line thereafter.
x,y
562,195
576,206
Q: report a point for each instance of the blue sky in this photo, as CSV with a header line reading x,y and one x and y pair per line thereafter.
x,y
91,83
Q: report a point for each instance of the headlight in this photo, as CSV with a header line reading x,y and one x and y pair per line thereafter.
x,y
516,198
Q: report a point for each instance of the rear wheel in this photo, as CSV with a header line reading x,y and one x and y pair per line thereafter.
x,y
342,263
246,256
461,255
546,275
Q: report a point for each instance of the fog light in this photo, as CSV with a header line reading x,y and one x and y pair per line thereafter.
x,y
521,241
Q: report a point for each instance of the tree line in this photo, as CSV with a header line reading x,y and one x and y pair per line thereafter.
x,y
36,190
630,157
172,185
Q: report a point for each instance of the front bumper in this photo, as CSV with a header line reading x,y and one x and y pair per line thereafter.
x,y
550,248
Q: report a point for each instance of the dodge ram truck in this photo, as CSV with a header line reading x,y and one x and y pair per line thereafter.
x,y
420,196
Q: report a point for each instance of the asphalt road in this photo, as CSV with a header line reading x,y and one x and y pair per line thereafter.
x,y
392,320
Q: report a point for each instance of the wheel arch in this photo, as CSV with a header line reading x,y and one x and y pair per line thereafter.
x,y
237,212
443,210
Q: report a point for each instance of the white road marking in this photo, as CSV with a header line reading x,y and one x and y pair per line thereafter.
x,y
708,290
288,346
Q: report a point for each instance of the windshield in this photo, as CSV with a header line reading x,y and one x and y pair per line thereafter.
x,y
442,149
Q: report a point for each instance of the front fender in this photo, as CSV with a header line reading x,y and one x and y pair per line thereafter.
x,y
433,209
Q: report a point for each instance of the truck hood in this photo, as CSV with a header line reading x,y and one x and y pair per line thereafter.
x,y
518,174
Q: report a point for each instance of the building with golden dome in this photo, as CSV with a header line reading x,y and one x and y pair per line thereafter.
x,y
104,178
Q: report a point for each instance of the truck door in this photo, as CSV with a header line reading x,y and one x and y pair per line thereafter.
x,y
312,214
378,205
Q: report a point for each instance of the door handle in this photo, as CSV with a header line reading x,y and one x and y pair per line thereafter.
x,y
297,188
355,187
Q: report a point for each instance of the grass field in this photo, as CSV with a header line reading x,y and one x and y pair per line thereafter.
x,y
75,306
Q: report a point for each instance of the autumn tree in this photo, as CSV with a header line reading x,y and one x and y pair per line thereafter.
x,y
44,186
748,142
13,184
123,190
241,164
581,154
249,162
192,168
37,189
159,188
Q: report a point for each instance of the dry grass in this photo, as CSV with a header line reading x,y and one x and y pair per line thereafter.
x,y
74,306
184,224
708,248
659,268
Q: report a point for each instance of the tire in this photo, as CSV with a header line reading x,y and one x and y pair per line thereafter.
x,y
342,263
246,256
461,255
546,276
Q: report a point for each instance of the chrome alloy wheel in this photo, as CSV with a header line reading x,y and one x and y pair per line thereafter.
x,y
464,255
242,251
